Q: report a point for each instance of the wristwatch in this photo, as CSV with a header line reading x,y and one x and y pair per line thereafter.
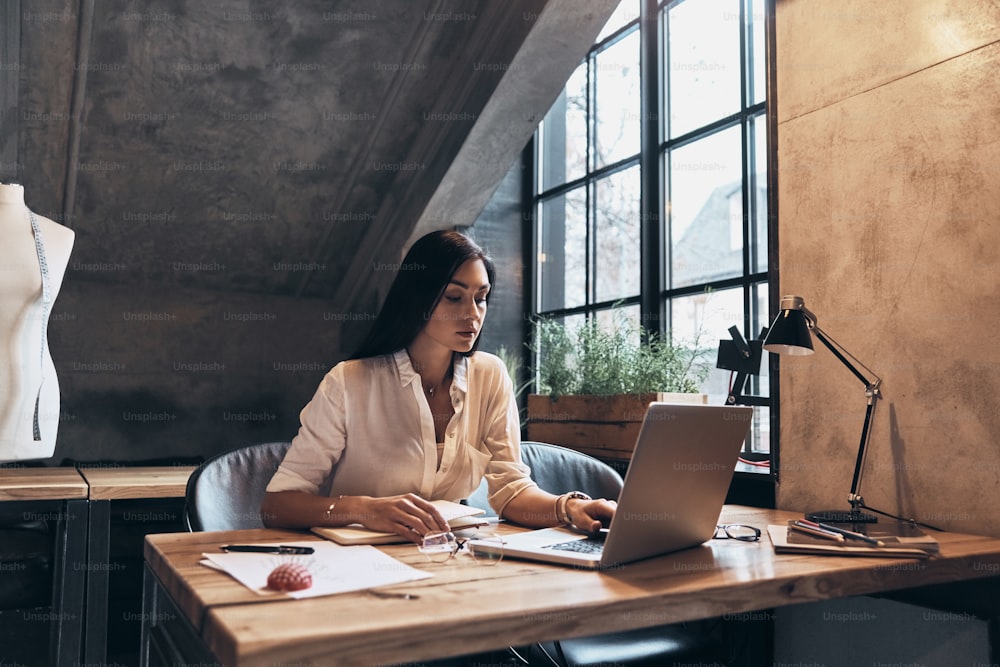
x,y
563,507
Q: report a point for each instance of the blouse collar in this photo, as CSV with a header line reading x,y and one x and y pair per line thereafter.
x,y
407,374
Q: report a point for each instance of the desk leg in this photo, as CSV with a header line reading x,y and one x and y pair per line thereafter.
x,y
168,638
99,554
70,583
993,636
150,590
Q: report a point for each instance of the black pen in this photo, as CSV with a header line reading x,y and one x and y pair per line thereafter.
x,y
852,535
266,549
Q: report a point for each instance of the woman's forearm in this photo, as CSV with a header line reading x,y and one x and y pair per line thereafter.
x,y
406,514
297,509
535,508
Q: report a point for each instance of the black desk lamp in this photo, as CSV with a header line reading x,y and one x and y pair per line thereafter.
x,y
789,334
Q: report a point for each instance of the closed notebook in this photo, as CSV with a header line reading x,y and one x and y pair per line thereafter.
x,y
457,515
893,545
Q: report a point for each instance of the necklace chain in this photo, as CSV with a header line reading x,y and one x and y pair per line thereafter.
x,y
431,389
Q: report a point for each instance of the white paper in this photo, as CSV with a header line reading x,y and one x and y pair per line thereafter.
x,y
334,569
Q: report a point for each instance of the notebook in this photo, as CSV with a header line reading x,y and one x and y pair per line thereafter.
x,y
676,484
457,515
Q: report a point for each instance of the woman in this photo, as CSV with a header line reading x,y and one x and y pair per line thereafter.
x,y
417,414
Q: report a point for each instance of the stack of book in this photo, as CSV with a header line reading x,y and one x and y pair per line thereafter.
x,y
894,539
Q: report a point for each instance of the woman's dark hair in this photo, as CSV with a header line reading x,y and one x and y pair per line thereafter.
x,y
419,284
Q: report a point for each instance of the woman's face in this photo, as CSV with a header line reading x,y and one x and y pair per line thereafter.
x,y
458,317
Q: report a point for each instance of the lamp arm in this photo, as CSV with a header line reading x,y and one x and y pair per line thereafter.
x,y
855,498
873,392
842,354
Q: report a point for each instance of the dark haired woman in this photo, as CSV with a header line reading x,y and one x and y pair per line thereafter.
x,y
417,414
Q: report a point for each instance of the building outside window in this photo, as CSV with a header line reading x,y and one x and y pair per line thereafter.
x,y
650,184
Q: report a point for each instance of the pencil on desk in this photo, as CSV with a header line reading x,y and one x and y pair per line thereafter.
x,y
815,531
853,535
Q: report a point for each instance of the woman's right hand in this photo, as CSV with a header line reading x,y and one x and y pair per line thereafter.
x,y
408,515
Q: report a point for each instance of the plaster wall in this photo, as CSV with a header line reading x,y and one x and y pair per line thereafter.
x,y
887,168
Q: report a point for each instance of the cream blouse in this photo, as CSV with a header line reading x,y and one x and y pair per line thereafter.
x,y
368,430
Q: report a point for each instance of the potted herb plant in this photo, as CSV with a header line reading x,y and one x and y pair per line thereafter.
x,y
593,384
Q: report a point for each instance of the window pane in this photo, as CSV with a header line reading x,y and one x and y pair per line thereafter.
x,y
760,430
627,11
563,153
759,18
622,318
701,321
759,135
617,235
562,242
617,110
759,385
706,209
703,63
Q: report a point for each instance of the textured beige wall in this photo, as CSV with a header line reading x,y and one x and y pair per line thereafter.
x,y
889,192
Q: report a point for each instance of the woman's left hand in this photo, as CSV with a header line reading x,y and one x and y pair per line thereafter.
x,y
590,515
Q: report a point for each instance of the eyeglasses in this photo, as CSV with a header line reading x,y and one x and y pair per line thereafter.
x,y
737,531
441,547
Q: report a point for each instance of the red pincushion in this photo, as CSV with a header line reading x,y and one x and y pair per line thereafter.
x,y
289,577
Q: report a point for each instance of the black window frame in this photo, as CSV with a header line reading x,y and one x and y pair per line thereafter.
x,y
655,291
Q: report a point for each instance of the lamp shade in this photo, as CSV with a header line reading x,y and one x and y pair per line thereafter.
x,y
789,333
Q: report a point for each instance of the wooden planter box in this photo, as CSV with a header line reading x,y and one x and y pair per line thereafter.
x,y
605,427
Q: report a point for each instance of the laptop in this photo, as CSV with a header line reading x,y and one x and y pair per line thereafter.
x,y
674,491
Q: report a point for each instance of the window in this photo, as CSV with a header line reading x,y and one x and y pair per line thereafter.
x,y
650,192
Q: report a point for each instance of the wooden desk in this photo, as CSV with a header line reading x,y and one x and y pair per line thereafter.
x,y
59,496
107,485
466,608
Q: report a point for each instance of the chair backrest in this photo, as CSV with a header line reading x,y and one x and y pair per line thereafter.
x,y
224,492
557,470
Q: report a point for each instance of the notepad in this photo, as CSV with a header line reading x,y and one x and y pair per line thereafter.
x,y
457,515
787,541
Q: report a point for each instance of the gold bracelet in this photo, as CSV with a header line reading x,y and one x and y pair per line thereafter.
x,y
329,510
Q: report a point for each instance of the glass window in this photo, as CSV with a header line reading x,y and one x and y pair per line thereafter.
x,y
563,134
562,260
617,235
706,188
676,87
703,64
616,101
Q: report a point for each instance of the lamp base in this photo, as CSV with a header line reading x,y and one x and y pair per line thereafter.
x,y
841,516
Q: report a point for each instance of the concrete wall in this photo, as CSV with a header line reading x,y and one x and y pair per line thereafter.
x,y
887,151
242,182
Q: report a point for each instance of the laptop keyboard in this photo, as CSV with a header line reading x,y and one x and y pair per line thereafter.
x,y
590,545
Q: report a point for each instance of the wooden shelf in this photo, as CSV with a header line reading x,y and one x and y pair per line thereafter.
x,y
42,484
139,482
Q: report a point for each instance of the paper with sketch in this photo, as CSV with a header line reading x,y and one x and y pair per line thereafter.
x,y
334,569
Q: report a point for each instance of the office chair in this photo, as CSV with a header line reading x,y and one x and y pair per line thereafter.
x,y
224,492
558,470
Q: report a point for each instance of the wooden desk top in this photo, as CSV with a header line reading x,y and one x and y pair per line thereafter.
x,y
465,607
42,484
137,482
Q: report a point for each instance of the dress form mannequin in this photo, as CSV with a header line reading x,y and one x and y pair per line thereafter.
x,y
25,363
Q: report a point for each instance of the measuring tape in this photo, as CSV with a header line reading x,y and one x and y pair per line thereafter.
x,y
46,308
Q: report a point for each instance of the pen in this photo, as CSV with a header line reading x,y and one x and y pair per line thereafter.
x,y
815,529
266,549
852,535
